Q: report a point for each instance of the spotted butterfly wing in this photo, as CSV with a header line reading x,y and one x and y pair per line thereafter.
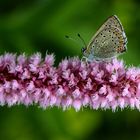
x,y
112,21
109,41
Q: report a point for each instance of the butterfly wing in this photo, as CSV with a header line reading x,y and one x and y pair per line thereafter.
x,y
112,21
108,43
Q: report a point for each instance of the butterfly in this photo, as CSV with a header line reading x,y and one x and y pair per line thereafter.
x,y
108,42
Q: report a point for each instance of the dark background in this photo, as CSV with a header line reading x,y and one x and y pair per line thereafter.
x,y
40,25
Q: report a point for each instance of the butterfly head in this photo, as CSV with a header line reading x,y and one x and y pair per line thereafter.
x,y
84,52
87,54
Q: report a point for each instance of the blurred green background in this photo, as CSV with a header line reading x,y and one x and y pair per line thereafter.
x,y
39,25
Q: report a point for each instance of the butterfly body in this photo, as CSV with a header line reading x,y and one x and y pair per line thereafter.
x,y
108,42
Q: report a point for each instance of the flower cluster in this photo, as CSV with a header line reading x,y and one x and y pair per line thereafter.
x,y
73,83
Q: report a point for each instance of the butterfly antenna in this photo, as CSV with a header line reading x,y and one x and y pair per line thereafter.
x,y
68,37
82,39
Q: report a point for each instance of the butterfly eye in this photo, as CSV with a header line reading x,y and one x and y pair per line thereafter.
x,y
83,50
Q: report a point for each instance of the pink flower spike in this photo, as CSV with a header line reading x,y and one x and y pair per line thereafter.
x,y
73,83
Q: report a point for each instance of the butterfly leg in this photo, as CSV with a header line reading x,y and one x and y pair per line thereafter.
x,y
84,59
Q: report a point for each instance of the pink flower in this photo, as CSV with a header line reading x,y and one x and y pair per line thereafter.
x,y
73,83
77,104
